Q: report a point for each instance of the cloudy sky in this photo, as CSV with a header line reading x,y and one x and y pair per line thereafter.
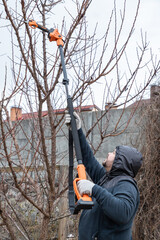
x,y
99,12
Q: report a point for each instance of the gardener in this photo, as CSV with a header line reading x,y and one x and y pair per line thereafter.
x,y
113,190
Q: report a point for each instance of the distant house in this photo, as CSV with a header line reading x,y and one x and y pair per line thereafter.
x,y
16,112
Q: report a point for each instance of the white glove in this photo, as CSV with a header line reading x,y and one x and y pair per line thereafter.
x,y
68,120
85,187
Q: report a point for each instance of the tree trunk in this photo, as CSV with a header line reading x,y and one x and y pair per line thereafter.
x,y
44,229
62,232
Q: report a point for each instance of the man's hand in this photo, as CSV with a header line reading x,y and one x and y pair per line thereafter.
x,y
68,120
85,187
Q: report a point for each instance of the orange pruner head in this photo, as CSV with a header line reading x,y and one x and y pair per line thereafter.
x,y
33,24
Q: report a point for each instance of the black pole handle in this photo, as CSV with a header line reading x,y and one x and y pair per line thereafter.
x,y
74,131
71,110
43,28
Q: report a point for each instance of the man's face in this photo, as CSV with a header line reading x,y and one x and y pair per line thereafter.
x,y
108,162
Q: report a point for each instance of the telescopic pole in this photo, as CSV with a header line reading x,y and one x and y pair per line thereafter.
x,y
85,201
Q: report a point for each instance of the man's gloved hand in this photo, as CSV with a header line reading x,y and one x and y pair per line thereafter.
x,y
68,120
85,187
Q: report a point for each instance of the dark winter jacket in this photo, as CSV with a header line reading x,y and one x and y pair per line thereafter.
x,y
115,195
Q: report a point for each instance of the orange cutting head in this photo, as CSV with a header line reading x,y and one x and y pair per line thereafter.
x,y
33,24
53,34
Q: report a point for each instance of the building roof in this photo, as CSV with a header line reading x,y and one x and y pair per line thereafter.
x,y
140,103
60,111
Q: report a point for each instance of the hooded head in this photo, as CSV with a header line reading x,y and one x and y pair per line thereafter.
x,y
127,161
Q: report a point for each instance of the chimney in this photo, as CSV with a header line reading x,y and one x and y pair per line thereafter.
x,y
15,113
108,104
155,92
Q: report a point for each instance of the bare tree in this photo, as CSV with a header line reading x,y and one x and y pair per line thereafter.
x,y
147,220
29,168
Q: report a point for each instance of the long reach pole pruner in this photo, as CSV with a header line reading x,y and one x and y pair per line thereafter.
x,y
85,201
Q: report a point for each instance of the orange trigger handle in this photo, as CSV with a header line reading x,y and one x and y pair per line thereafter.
x,y
82,175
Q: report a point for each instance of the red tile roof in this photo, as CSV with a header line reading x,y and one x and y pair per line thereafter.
x,y
58,111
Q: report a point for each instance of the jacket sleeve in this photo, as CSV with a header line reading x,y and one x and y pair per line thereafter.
x,y
94,169
120,206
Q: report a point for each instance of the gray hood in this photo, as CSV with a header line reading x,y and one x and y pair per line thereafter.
x,y
127,162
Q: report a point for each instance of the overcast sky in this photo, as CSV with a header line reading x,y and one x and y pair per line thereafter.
x,y
99,12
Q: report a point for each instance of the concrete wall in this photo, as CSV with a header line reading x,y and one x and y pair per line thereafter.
x,y
129,137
